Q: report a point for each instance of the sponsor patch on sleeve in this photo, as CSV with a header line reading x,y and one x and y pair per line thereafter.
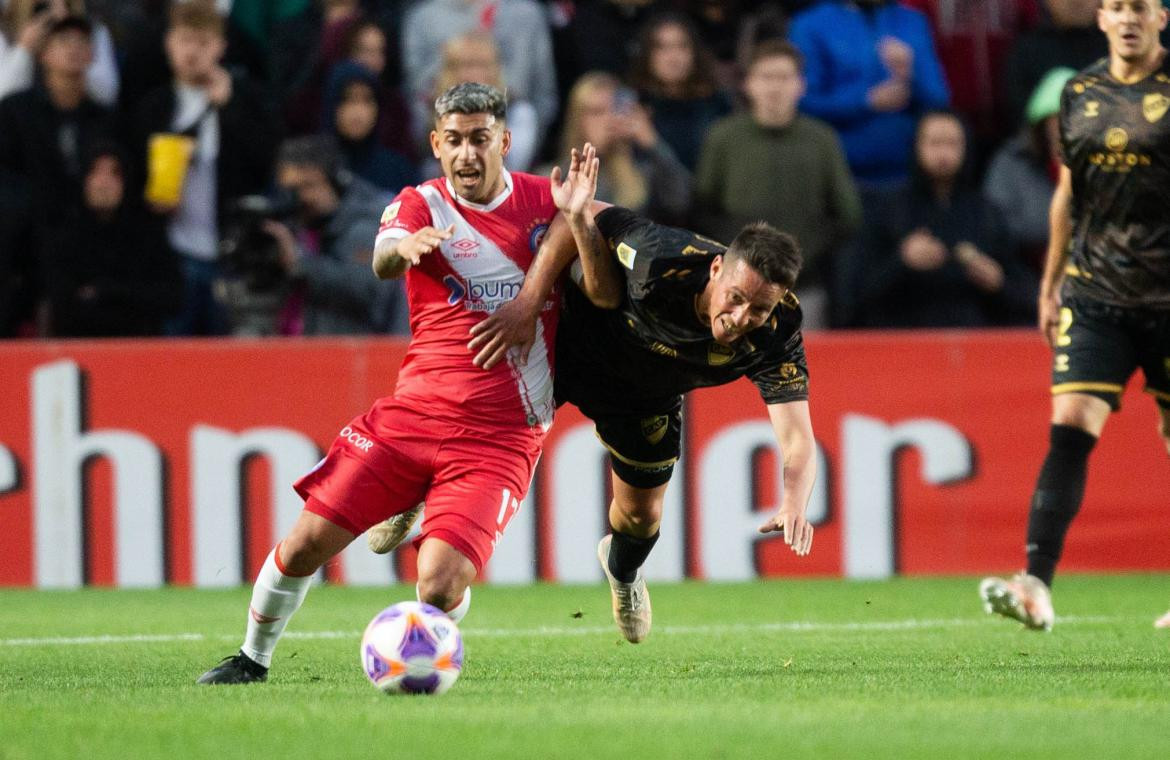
x,y
391,212
626,255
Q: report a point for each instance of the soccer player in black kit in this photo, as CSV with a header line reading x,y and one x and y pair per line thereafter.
x,y
1105,298
656,312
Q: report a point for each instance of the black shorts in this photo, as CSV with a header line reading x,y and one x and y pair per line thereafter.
x,y
642,448
1099,346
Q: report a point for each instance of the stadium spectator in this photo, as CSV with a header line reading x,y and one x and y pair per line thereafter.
x,y
638,169
352,113
1066,36
109,270
44,132
366,43
794,166
23,26
326,250
475,57
1105,294
304,50
718,24
1022,175
451,433
520,29
256,18
973,38
674,75
935,252
871,70
145,65
222,130
598,35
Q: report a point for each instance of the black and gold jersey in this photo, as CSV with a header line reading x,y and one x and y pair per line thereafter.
x,y
640,357
1116,141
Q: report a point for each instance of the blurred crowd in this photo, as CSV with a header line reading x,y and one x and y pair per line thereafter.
x,y
213,167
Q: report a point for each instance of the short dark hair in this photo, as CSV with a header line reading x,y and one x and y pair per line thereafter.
x,y
472,97
772,253
776,48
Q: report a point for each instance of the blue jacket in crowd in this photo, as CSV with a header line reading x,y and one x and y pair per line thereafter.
x,y
839,41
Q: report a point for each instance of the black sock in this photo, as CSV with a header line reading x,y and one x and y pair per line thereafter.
x,y
627,553
1057,499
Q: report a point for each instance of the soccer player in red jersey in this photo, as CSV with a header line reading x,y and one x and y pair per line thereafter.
x,y
463,439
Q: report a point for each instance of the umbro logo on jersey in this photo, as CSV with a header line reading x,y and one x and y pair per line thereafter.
x,y
465,248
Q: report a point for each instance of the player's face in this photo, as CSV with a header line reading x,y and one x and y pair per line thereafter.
x,y
739,299
471,148
1132,26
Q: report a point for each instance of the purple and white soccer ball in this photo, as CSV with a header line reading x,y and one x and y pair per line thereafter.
x,y
412,648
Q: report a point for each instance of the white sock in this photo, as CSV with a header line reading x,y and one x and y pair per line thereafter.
x,y
275,597
459,611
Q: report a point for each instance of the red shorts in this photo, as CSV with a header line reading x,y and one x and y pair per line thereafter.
x,y
395,456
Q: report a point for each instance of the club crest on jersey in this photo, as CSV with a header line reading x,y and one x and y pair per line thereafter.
x,y
536,236
718,354
1154,106
654,428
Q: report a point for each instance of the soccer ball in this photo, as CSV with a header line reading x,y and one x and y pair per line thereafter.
x,y
412,648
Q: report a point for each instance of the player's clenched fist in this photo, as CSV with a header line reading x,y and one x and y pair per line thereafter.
x,y
418,244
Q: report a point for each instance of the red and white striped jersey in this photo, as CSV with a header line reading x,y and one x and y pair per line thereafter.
x,y
471,274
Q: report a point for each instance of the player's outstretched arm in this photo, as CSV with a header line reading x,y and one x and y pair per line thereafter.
x,y
793,427
513,324
600,280
392,257
1059,235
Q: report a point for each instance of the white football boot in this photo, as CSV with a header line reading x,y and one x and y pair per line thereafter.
x,y
1022,597
1163,622
631,601
388,534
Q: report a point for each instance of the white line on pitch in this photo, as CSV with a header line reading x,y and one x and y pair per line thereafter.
x,y
709,630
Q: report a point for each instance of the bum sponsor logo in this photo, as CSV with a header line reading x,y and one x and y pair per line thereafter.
x,y
356,438
480,295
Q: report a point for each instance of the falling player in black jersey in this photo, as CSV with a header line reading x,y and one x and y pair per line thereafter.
x,y
657,312
1105,297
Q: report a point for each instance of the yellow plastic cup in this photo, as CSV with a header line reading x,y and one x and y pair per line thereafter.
x,y
168,156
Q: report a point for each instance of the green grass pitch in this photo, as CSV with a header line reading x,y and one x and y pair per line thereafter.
x,y
909,668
